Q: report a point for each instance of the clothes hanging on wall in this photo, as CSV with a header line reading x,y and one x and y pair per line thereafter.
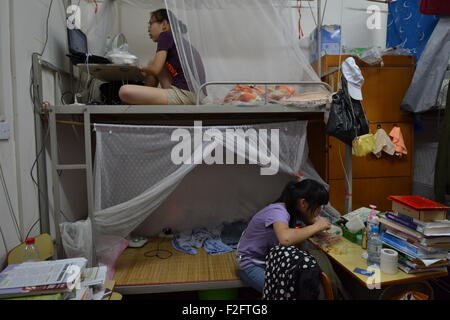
x,y
398,141
425,87
383,143
407,27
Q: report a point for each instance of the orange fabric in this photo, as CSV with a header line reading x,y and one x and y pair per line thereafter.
x,y
411,295
252,94
397,140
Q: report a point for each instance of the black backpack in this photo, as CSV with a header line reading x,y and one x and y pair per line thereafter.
x,y
347,119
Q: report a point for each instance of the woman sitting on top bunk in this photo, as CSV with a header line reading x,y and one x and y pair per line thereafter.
x,y
164,69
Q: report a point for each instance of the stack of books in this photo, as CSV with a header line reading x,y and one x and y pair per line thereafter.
x,y
92,286
66,279
422,246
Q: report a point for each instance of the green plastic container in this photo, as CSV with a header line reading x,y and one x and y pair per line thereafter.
x,y
219,294
353,237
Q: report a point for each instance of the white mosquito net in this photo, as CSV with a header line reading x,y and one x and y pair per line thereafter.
x,y
252,40
230,41
138,168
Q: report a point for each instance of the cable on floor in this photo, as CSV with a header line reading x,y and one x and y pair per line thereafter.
x,y
158,253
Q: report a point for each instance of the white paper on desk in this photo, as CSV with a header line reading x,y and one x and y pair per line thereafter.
x,y
99,295
94,276
429,262
31,274
363,213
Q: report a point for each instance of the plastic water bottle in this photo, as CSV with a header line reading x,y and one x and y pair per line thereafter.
x,y
31,253
372,220
374,245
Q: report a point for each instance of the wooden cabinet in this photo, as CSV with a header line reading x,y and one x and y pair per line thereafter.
x,y
371,166
373,178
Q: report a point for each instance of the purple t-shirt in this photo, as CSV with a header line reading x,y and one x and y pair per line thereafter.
x,y
173,64
259,236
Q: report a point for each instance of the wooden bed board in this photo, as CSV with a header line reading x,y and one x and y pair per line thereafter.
x,y
138,274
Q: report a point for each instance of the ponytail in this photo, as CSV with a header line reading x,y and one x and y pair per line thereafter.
x,y
313,192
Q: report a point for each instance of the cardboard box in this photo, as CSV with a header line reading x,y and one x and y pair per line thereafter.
x,y
330,42
419,208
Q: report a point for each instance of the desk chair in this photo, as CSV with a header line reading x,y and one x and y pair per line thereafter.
x,y
325,281
43,243
422,290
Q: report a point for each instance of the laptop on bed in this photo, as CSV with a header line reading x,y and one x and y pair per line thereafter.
x,y
78,48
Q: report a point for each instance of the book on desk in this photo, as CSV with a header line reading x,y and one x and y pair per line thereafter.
x,y
40,278
66,279
423,246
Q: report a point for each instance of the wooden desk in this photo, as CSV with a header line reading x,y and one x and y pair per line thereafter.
x,y
112,72
353,259
109,284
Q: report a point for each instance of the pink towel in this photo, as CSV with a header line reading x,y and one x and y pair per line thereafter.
x,y
397,140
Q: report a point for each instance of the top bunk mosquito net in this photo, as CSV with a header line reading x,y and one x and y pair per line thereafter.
x,y
138,186
240,42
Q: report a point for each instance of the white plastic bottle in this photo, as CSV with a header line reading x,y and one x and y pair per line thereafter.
x,y
31,253
374,245
372,220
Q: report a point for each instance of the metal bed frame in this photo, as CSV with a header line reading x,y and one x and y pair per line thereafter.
x,y
48,113
220,112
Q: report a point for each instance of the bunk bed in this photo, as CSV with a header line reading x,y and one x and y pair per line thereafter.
x,y
135,273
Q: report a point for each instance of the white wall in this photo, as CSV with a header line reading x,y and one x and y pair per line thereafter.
x,y
355,34
352,16
23,32
133,24
7,147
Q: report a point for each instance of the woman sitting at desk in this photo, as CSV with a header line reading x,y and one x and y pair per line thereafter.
x,y
275,224
164,68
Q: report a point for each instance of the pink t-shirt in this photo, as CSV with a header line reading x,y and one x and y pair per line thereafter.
x,y
259,236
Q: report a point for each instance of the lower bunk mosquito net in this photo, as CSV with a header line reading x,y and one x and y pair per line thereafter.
x,y
152,177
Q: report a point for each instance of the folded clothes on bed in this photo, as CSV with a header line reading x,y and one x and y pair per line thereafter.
x,y
215,247
189,241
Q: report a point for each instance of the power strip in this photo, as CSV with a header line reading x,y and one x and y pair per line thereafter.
x,y
165,235
137,242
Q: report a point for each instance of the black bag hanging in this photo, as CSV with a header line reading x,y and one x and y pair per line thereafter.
x,y
347,119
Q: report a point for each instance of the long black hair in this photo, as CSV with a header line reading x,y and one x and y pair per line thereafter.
x,y
161,15
312,191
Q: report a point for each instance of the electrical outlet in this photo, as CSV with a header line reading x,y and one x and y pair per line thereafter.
x,y
4,131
